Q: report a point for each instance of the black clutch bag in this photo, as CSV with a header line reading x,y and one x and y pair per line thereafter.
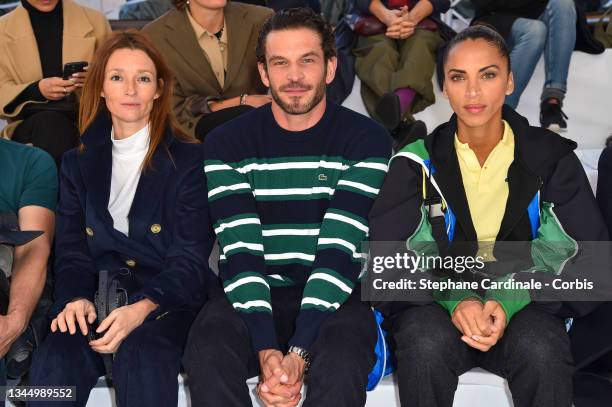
x,y
109,297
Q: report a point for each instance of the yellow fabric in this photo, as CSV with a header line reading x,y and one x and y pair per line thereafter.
x,y
214,49
486,188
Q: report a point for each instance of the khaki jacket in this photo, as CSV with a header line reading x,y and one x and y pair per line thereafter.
x,y
84,31
174,37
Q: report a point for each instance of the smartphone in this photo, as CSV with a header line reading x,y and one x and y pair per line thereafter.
x,y
74,67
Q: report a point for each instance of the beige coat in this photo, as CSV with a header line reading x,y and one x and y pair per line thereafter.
x,y
84,30
173,35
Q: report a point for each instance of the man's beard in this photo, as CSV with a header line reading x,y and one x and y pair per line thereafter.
x,y
294,106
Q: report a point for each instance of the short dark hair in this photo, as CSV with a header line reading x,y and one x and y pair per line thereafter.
x,y
295,18
476,32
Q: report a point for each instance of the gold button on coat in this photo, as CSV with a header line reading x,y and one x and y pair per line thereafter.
x,y
156,228
130,262
89,231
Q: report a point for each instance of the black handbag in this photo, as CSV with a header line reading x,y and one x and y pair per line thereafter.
x,y
110,296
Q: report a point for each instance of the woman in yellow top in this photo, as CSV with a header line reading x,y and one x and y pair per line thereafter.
x,y
487,176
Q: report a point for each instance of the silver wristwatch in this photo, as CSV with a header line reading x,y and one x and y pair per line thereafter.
x,y
304,354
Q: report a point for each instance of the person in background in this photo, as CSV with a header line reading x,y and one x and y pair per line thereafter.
x,y
592,386
132,202
278,5
396,65
37,39
210,46
533,28
144,9
28,196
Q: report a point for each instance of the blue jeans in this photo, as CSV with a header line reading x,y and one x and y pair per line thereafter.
x,y
554,33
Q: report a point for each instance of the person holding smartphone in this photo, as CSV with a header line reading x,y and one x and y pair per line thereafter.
x,y
396,64
133,203
38,39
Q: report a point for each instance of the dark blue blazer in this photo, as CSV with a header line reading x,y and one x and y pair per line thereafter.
x,y
165,257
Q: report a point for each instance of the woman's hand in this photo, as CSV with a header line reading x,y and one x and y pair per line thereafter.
x,y
492,311
119,324
468,318
78,78
404,29
387,16
76,312
56,88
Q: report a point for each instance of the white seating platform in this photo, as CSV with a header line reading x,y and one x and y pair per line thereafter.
x,y
477,388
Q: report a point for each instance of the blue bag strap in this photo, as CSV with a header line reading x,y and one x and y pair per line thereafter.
x,y
384,359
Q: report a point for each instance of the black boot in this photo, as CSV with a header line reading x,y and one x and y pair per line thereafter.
x,y
389,111
406,133
552,117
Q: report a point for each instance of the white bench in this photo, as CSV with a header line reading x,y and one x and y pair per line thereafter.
x,y
477,388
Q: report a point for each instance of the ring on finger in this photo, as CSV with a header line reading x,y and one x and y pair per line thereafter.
x,y
65,91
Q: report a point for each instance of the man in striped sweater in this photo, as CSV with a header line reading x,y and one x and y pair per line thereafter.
x,y
290,186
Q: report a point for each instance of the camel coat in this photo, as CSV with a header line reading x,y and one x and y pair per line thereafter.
x,y
84,31
173,35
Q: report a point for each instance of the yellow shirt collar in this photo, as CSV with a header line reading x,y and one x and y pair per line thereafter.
x,y
507,138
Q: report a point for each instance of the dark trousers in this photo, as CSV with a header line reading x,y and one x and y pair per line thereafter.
x,y
211,120
49,131
219,357
145,368
591,338
533,355
384,65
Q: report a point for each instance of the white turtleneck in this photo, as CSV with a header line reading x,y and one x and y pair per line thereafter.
x,y
128,155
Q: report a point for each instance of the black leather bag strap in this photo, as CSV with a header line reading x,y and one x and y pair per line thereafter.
x,y
102,295
106,292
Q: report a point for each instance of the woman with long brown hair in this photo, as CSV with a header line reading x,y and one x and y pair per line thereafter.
x,y
133,203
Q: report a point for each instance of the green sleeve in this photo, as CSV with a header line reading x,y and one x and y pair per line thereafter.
x,y
512,301
449,299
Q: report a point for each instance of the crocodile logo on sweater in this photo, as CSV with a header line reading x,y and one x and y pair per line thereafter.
x,y
322,177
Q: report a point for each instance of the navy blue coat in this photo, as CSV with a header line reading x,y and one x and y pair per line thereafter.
x,y
165,257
